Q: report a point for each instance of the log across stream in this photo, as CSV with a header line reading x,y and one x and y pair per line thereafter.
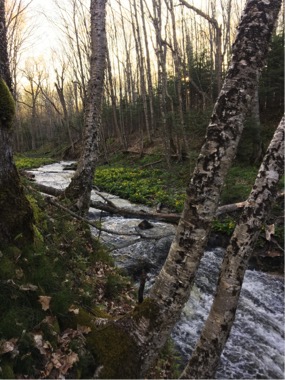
x,y
255,348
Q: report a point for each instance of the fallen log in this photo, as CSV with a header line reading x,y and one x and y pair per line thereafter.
x,y
111,208
48,190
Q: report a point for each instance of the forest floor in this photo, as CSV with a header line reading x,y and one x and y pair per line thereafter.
x,y
51,294
53,290
146,178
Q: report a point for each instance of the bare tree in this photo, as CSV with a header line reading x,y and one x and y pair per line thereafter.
x,y
182,144
141,67
79,190
75,29
19,32
35,74
59,85
217,38
148,68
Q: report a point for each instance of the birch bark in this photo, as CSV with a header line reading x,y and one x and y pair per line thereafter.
x,y
206,355
173,285
79,190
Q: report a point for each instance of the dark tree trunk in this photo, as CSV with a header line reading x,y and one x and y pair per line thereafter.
x,y
16,222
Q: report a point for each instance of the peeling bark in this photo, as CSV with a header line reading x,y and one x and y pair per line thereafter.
x,y
206,355
173,285
79,190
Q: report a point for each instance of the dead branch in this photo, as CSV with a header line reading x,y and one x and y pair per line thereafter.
x,y
102,229
111,208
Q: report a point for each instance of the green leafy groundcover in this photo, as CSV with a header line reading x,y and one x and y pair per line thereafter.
x,y
144,186
23,162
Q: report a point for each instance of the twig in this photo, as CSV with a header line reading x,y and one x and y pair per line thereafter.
x,y
110,203
150,164
53,202
143,279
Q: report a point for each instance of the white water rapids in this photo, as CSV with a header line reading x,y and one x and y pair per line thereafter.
x,y
255,348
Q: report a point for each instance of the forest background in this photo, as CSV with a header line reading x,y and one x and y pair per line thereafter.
x,y
165,67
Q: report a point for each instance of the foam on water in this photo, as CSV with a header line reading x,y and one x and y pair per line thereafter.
x,y
255,348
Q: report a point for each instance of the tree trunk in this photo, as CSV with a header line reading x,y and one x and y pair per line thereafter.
x,y
141,68
59,85
148,70
114,102
16,222
149,326
218,41
206,355
182,144
173,285
161,52
79,190
255,120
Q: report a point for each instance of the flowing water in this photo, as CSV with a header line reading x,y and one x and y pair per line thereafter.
x,y
255,348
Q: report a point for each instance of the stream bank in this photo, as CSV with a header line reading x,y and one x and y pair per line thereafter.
x,y
255,348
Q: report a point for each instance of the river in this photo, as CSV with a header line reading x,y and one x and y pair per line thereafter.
x,y
255,348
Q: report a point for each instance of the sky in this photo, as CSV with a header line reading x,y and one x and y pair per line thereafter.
x,y
43,10
46,34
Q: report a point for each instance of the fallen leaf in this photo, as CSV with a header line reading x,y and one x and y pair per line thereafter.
x,y
269,231
84,329
28,287
73,309
56,360
45,301
38,338
69,360
19,273
7,346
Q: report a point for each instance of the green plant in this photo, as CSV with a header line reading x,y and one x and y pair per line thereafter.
x,y
238,184
225,226
23,162
144,186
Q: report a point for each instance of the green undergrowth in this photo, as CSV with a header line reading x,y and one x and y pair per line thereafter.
x,y
25,162
51,294
44,285
144,186
147,180
136,179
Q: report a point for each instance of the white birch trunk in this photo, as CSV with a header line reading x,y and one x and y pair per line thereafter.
x,y
79,190
206,355
157,315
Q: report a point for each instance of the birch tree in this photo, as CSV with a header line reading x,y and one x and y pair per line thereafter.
x,y
79,190
206,355
150,324
16,222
